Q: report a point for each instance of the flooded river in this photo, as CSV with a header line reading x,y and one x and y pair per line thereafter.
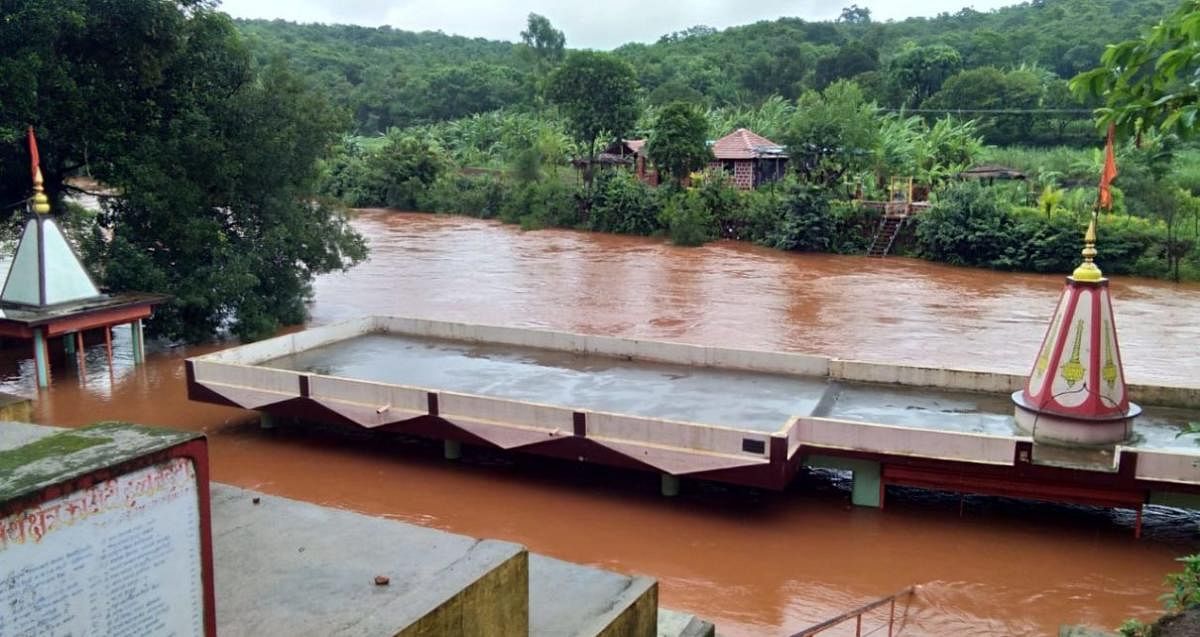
x,y
755,563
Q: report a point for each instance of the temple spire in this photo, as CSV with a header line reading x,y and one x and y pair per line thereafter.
x,y
1088,271
41,203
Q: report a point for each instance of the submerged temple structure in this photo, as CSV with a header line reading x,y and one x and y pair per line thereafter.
x,y
1076,391
48,295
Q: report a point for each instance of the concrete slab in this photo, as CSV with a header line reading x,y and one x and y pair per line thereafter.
x,y
568,599
962,412
711,396
285,567
676,624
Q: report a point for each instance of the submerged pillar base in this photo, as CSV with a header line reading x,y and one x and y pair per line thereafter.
x,y
866,474
451,449
265,420
669,485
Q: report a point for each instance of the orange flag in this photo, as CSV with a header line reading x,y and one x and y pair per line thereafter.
x,y
1109,173
34,160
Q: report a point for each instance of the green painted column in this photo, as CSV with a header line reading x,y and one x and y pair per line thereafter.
x,y
265,420
451,449
867,477
69,344
670,485
41,360
139,343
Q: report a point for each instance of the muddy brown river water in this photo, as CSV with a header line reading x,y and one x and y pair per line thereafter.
x,y
755,563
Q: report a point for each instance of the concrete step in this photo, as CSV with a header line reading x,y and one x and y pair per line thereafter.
x,y
285,567
568,599
290,567
676,624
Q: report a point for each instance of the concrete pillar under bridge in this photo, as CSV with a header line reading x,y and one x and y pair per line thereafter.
x,y
867,476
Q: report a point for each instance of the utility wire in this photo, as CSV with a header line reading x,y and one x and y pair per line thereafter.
x,y
995,111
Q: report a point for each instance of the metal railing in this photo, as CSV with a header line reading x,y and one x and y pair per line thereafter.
x,y
857,616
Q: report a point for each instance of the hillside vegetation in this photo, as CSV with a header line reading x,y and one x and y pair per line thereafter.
x,y
1016,58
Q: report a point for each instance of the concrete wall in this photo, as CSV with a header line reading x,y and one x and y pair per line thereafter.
x,y
654,351
1176,465
639,619
495,604
906,441
668,433
452,406
958,379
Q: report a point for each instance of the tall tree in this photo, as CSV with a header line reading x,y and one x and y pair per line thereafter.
x,y
213,157
543,43
679,143
597,93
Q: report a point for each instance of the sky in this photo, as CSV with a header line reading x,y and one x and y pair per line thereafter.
x,y
593,24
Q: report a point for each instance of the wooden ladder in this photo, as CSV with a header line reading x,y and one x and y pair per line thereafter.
x,y
885,236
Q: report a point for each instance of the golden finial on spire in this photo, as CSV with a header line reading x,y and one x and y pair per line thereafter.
x,y
41,203
1087,271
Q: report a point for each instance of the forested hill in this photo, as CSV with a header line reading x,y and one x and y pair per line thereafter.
x,y
389,77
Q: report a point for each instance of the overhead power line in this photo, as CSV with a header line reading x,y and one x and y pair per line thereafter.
x,y
994,111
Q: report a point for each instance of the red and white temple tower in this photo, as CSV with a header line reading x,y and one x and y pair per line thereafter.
x,y
1076,392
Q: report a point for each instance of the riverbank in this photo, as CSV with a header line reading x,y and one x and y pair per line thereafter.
x,y
967,224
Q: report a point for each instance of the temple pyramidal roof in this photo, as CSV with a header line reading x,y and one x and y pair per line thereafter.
x,y
45,270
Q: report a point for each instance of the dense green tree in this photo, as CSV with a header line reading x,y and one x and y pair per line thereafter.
x,y
990,89
848,61
920,71
597,93
1150,81
678,144
458,91
213,157
832,133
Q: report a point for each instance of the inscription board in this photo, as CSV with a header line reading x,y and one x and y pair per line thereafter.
x,y
121,558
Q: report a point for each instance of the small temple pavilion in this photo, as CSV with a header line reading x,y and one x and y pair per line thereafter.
x,y
49,297
1076,393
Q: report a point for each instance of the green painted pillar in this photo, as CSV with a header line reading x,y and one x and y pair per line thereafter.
x,y
69,344
41,358
265,420
139,343
451,449
669,485
867,477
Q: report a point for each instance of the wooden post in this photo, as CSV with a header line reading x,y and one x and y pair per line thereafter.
x,y
41,358
858,626
80,354
108,347
891,617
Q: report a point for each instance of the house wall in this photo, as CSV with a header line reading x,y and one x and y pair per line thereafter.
x,y
743,172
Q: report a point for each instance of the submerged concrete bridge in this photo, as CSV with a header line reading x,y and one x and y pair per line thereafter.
x,y
737,416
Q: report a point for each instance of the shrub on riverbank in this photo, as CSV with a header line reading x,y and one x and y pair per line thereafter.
x,y
968,226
